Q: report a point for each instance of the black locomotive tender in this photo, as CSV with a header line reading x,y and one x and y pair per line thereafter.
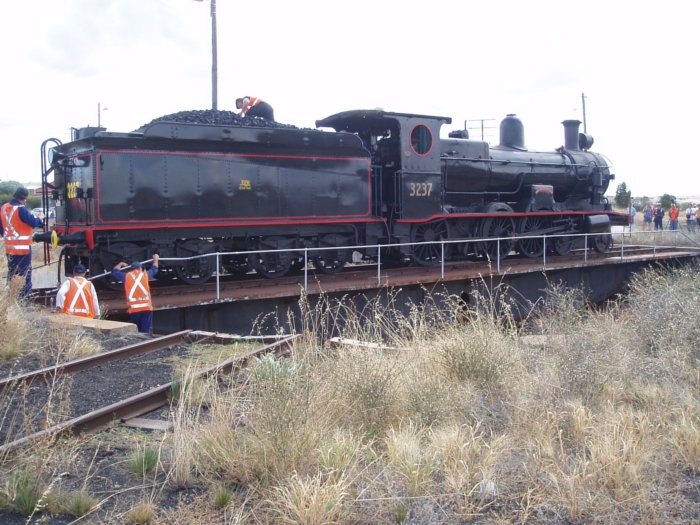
x,y
184,189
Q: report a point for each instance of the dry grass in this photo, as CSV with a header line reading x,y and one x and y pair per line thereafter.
x,y
14,324
590,421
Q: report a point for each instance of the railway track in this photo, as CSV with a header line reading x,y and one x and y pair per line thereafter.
x,y
136,405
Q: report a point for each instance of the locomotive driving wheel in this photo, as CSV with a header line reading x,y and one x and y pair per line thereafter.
x,y
462,229
430,232
602,243
497,227
532,247
562,245
197,270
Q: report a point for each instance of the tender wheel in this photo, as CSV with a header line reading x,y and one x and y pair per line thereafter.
x,y
428,254
602,243
107,258
271,265
194,271
297,264
332,261
97,268
275,264
235,264
497,227
533,247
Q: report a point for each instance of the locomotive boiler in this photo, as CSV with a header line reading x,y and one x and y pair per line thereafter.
x,y
379,179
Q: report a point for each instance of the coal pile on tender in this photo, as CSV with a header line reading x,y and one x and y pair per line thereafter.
x,y
217,118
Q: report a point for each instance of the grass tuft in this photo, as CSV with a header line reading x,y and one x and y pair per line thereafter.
x,y
80,503
143,460
309,501
222,498
143,513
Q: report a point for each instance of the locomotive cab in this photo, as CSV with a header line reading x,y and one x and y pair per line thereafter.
x,y
406,162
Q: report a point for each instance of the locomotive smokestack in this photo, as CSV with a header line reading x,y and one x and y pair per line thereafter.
x,y
571,134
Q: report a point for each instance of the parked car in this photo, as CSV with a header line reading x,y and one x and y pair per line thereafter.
x,y
38,211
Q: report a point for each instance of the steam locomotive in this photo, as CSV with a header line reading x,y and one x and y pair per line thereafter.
x,y
183,189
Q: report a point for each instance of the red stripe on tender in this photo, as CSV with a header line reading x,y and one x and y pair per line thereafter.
x,y
166,226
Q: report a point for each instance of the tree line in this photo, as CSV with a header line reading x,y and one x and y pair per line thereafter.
x,y
7,190
623,196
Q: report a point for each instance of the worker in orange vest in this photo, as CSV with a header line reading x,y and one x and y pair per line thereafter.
x,y
255,107
77,295
18,224
138,291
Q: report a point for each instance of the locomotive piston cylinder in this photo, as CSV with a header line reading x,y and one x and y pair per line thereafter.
x,y
597,224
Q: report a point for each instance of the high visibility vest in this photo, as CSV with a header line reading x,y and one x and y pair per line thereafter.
x,y
79,298
18,234
252,101
138,291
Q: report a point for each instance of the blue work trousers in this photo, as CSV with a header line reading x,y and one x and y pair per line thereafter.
x,y
20,265
143,320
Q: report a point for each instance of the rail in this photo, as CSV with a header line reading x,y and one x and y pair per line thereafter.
x,y
144,402
76,365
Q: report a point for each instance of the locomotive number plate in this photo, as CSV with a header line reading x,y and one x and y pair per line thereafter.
x,y
420,189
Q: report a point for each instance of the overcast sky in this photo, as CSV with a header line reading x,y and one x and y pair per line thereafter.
x,y
141,59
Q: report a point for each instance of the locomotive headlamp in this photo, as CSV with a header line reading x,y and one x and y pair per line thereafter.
x,y
55,157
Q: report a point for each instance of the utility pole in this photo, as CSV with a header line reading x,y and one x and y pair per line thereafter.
x,y
214,70
583,105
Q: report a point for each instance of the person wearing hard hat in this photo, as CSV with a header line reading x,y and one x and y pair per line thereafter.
x,y
255,107
138,291
77,295
18,224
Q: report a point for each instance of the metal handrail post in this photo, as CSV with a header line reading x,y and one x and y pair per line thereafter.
x,y
585,248
218,295
379,266
306,269
544,252
498,255
442,259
